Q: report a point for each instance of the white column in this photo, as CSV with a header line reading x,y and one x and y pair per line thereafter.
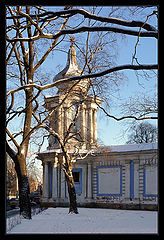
x,y
65,120
95,125
54,179
60,121
45,189
62,182
90,125
83,124
55,120
89,182
127,180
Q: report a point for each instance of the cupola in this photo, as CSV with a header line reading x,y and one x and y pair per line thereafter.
x,y
71,69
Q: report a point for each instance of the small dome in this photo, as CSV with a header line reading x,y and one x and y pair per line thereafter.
x,y
71,69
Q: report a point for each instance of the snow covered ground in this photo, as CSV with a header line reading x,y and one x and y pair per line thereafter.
x,y
89,220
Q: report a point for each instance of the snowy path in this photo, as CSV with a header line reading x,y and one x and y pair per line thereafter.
x,y
89,220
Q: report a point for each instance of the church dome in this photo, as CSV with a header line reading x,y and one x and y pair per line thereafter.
x,y
71,69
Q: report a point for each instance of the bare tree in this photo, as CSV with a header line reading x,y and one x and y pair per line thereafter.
x,y
33,172
24,54
28,26
142,133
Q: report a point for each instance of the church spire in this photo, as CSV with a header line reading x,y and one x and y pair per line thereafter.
x,y
72,61
72,40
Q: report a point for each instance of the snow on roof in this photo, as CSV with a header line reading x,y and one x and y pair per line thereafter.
x,y
114,148
128,147
51,151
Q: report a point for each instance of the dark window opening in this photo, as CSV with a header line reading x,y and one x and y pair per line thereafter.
x,y
76,176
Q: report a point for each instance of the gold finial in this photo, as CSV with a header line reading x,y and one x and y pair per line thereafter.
x,y
72,40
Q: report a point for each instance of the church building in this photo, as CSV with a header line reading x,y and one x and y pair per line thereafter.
x,y
123,176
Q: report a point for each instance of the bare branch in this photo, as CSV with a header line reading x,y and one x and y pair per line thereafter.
x,y
11,152
142,26
125,117
80,157
12,103
12,138
30,19
85,29
50,48
93,75
86,14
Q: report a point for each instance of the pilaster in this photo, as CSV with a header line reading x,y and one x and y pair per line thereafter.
x,y
60,121
54,179
83,123
90,125
89,181
95,126
62,182
45,188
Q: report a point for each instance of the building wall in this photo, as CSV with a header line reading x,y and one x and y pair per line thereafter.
x,y
125,180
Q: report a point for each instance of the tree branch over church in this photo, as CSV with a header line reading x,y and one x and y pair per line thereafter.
x,y
99,74
85,29
151,31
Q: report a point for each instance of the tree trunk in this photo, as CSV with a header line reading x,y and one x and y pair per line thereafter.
x,y
72,195
24,190
24,200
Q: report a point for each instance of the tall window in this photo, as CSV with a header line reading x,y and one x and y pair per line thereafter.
x,y
77,176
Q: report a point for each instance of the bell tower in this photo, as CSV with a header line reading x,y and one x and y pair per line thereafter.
x,y
72,101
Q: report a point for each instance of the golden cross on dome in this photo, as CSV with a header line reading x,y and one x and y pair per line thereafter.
x,y
72,40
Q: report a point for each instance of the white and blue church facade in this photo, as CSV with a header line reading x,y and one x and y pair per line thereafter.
x,y
124,176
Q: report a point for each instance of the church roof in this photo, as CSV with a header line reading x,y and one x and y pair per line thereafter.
x,y
114,148
128,147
